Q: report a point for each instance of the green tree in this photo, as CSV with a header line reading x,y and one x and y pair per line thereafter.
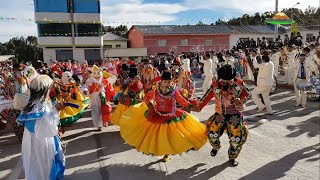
x,y
200,24
121,30
310,16
24,49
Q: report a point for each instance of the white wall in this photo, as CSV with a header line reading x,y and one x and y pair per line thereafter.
x,y
87,17
54,41
97,41
66,17
46,16
304,34
234,38
49,54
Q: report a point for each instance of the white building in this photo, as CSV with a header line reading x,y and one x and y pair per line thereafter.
x,y
117,47
69,29
247,32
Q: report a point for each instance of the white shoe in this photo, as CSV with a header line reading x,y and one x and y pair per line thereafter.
x,y
304,106
260,110
297,105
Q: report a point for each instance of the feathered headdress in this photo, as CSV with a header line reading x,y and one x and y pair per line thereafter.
x,y
41,82
96,71
39,88
30,72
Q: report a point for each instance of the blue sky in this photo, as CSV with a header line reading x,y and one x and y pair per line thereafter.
x,y
128,12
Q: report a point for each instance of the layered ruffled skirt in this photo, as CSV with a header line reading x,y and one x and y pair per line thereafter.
x,y
158,135
70,115
125,102
118,112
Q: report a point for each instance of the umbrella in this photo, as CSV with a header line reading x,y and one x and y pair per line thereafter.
x,y
279,19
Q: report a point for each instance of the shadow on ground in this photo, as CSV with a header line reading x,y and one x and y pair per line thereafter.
x,y
273,170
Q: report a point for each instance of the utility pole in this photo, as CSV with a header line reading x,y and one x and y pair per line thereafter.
x,y
276,26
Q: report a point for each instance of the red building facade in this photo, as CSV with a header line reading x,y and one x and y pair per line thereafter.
x,y
165,42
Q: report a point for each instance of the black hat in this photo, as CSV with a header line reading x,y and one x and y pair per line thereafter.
x,y
148,61
133,71
166,75
18,67
226,72
39,64
124,67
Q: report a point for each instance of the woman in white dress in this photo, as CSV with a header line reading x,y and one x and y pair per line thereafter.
x,y
41,152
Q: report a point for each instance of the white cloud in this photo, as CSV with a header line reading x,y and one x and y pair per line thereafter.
x,y
250,6
135,11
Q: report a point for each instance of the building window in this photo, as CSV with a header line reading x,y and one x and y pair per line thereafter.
x,y
118,46
51,6
54,29
184,42
92,54
62,55
86,6
108,46
87,30
209,42
162,42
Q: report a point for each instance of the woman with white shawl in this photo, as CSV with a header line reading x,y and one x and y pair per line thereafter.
x,y
41,152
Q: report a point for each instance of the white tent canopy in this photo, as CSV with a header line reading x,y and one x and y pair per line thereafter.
x,y
5,57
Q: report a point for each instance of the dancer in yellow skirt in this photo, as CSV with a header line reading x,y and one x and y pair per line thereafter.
x,y
69,92
157,127
129,97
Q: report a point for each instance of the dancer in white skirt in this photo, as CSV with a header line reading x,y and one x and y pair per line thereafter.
x,y
41,153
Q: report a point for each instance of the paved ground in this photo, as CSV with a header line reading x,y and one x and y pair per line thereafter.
x,y
284,146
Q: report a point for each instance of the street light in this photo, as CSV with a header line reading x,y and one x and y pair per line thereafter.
x,y
292,9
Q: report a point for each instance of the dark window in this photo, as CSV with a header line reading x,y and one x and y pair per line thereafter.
x,y
63,55
108,46
88,30
51,6
57,47
86,6
54,29
92,54
118,46
90,47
